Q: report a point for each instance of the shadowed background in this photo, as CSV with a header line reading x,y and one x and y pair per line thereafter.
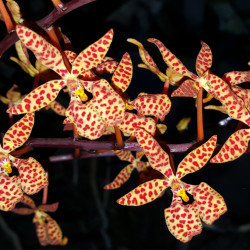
x,y
89,215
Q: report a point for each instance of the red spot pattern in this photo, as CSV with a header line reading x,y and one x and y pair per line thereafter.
x,y
157,105
237,77
32,176
158,158
18,133
244,94
108,67
87,121
39,97
50,233
234,105
10,192
187,89
182,221
210,204
90,57
124,155
107,103
171,60
49,55
123,73
121,178
196,159
132,121
234,147
58,108
144,193
204,59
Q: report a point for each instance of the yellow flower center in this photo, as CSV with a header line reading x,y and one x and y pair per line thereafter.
x,y
80,92
183,195
129,106
7,167
180,190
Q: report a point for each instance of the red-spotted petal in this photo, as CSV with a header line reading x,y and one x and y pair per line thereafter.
x,y
146,58
236,77
244,94
132,121
32,176
196,159
71,56
18,133
121,178
38,98
124,155
234,147
50,233
209,203
204,59
46,53
182,221
157,105
107,103
58,108
158,158
234,105
123,73
188,88
108,67
28,201
10,192
144,193
171,60
92,55
87,121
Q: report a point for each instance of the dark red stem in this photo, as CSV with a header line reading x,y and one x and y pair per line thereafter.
x,y
44,23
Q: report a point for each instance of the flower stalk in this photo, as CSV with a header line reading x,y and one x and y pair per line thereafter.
x,y
7,18
200,128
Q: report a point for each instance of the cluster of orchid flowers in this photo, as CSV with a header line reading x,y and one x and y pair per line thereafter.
x,y
98,107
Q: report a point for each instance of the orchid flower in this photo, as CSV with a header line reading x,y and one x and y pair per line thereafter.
x,y
235,146
214,85
51,57
148,63
31,178
24,62
47,229
124,175
183,221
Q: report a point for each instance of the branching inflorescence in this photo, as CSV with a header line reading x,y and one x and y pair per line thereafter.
x,y
100,106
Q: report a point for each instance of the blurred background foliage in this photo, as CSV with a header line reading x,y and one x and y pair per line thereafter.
x,y
89,215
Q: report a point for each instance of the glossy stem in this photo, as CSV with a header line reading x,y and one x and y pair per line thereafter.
x,y
6,17
200,128
54,39
36,81
58,4
45,190
118,136
21,151
166,86
239,126
171,161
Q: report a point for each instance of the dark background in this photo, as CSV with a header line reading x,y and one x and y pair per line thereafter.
x,y
89,215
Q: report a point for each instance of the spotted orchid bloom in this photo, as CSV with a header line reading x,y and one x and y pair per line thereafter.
x,y
183,221
51,57
47,229
125,173
214,85
31,178
235,146
157,105
148,63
